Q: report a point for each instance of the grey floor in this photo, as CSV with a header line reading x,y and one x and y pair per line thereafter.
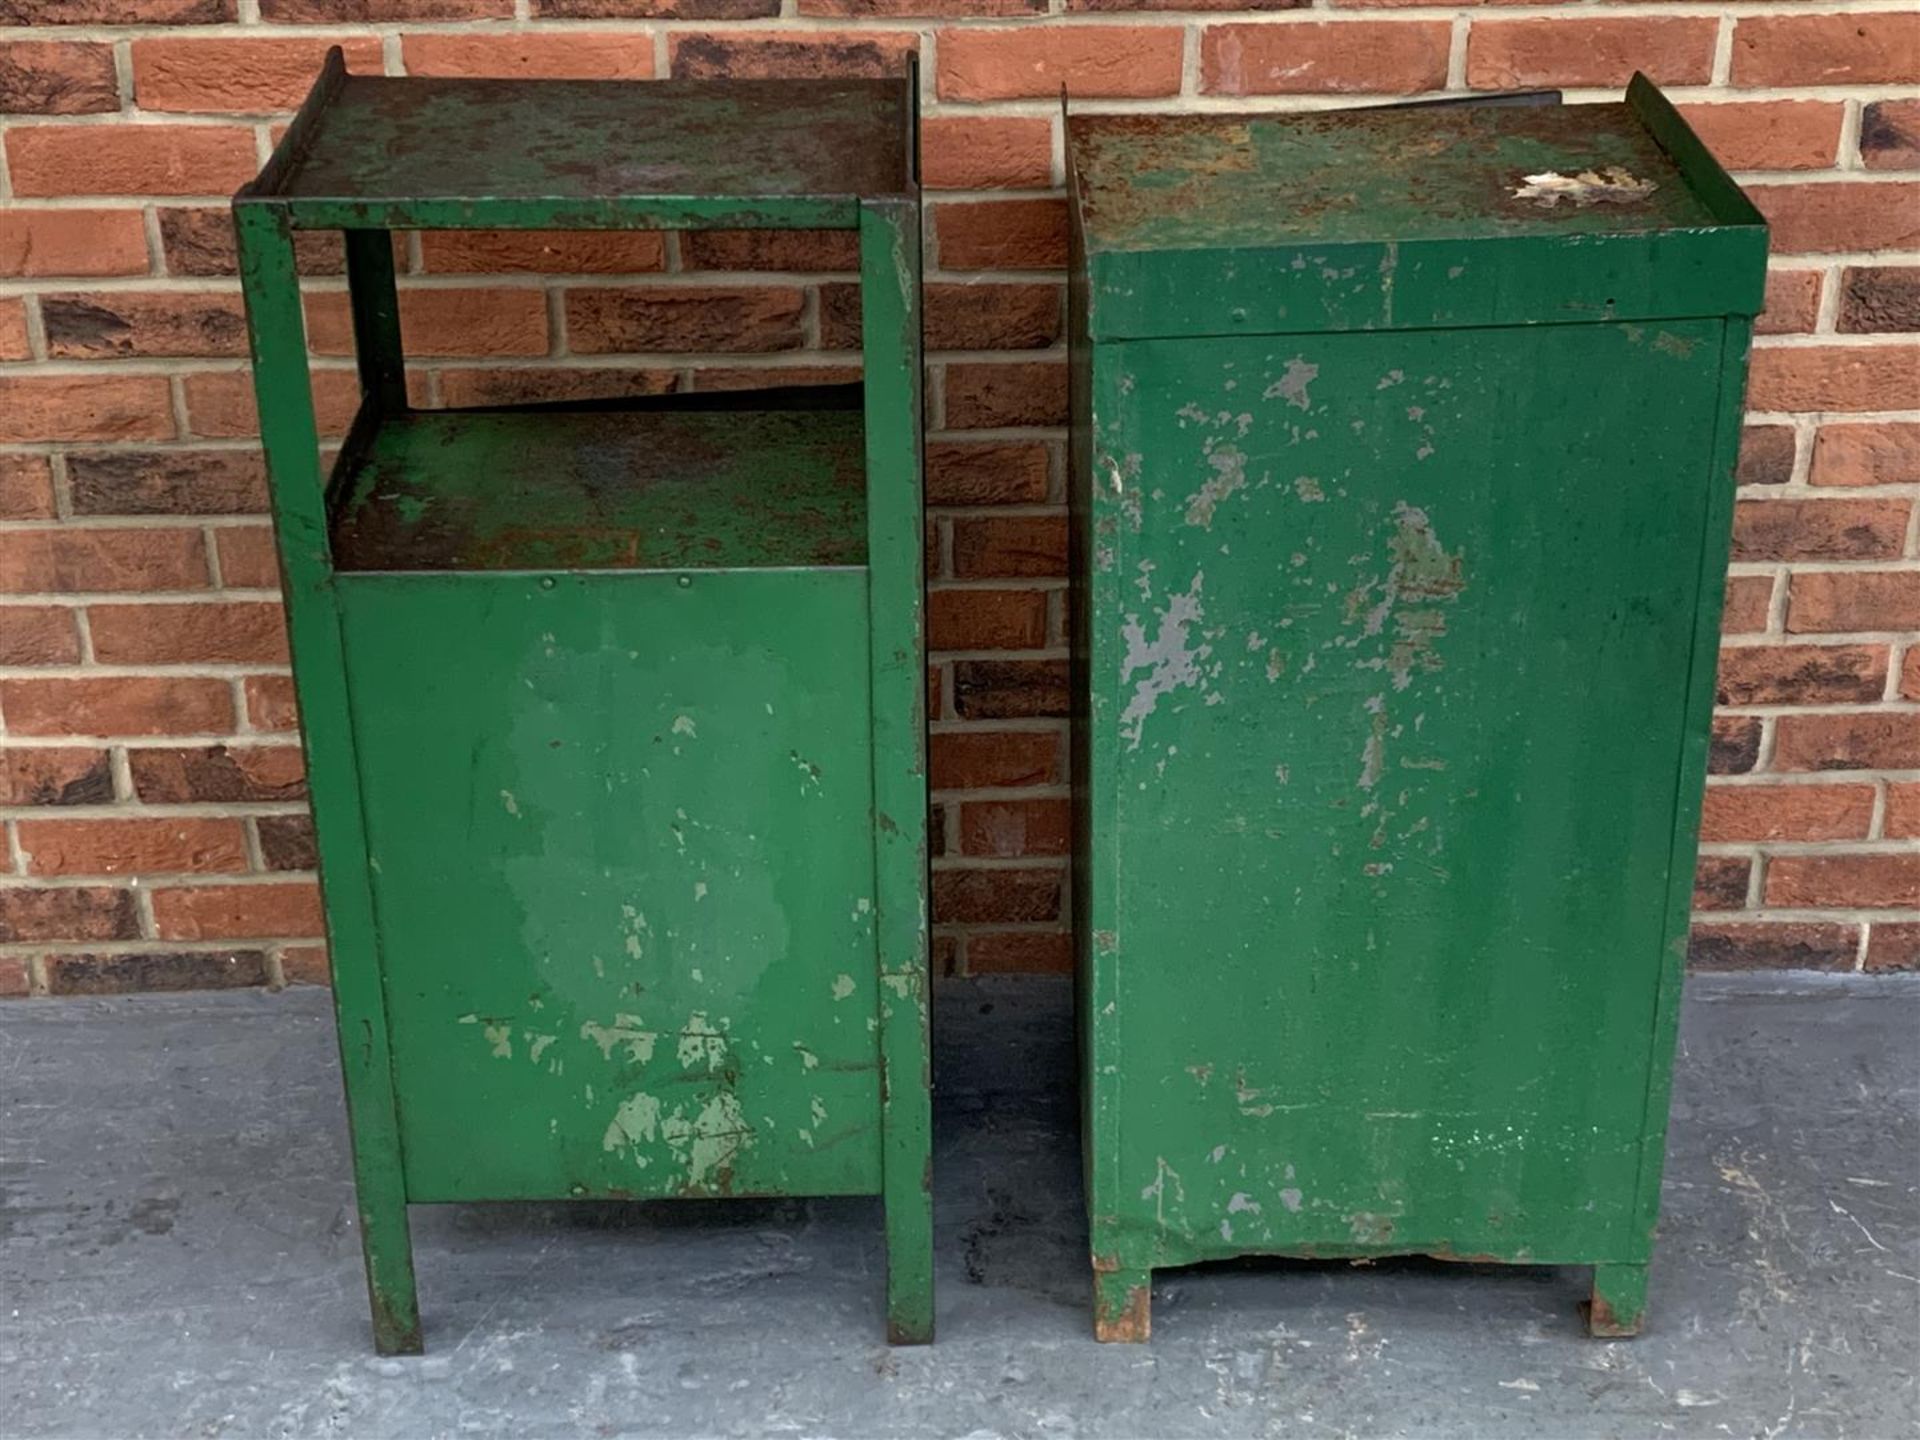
x,y
178,1258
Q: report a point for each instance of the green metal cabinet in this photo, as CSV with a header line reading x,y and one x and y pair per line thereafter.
x,y
613,711
1402,471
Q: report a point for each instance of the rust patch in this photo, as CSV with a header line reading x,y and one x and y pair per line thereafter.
x,y
1606,1322
1129,1324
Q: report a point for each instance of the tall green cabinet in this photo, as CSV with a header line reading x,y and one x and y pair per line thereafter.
x,y
1403,448
613,711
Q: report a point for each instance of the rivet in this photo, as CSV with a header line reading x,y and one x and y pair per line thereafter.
x,y
546,582
685,581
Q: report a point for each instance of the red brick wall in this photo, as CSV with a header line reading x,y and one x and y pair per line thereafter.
x,y
150,787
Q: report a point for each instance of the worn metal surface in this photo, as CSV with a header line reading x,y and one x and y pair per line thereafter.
x,y
605,489
378,149
1397,662
614,734
1384,219
184,1263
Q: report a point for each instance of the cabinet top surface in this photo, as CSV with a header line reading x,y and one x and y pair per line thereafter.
x,y
1149,182
377,138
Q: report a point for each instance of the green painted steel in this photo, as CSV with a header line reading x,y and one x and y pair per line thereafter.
x,y
1396,650
613,712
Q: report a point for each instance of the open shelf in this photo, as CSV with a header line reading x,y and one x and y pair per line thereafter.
x,y
765,479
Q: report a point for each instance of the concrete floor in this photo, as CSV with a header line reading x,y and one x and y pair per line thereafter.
x,y
178,1258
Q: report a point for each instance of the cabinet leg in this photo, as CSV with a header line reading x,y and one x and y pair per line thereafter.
x,y
388,1248
1619,1301
1122,1306
909,1269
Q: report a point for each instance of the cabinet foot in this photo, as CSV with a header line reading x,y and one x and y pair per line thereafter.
x,y
1619,1301
1122,1306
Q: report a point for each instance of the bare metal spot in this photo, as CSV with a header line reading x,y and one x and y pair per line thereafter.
x,y
1292,384
1170,660
1612,186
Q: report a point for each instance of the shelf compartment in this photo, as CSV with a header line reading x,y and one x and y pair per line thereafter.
x,y
767,479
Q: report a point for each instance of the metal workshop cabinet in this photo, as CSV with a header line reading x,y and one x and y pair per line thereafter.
x,y
613,710
1403,450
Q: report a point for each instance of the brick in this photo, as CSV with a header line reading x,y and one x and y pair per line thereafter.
x,y
656,9
1826,602
14,344
119,323
543,252
758,56
1001,234
251,76
964,152
37,243
74,912
957,316
166,482
217,632
1770,134
1879,299
989,546
287,842
917,9
219,774
1020,952
238,912
1910,674
683,319
993,759
1012,829
247,557
1875,740
1671,50
85,407
130,159
38,635
1009,689
270,702
1773,946
1004,473
123,705
1749,597
1833,377
1786,812
986,619
1720,882
990,897
760,377
155,970
1893,945
1903,811
380,12
198,240
56,77
183,845
1869,881
69,561
220,403
1037,62
1360,57
26,487
1792,304
1845,215
16,976
305,965
797,250
1825,50
492,321
1818,529
1890,135
561,55
55,775
1801,674
1734,745
519,387
989,396
117,12
1874,454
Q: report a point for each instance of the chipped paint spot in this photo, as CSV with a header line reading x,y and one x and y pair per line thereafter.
x,y
537,1045
511,805
1290,1198
1171,662
1614,185
1240,1202
683,725
626,1030
699,890
842,986
1309,489
500,1041
1229,464
1217,1154
699,1042
1293,382
637,1121
1679,346
808,1060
